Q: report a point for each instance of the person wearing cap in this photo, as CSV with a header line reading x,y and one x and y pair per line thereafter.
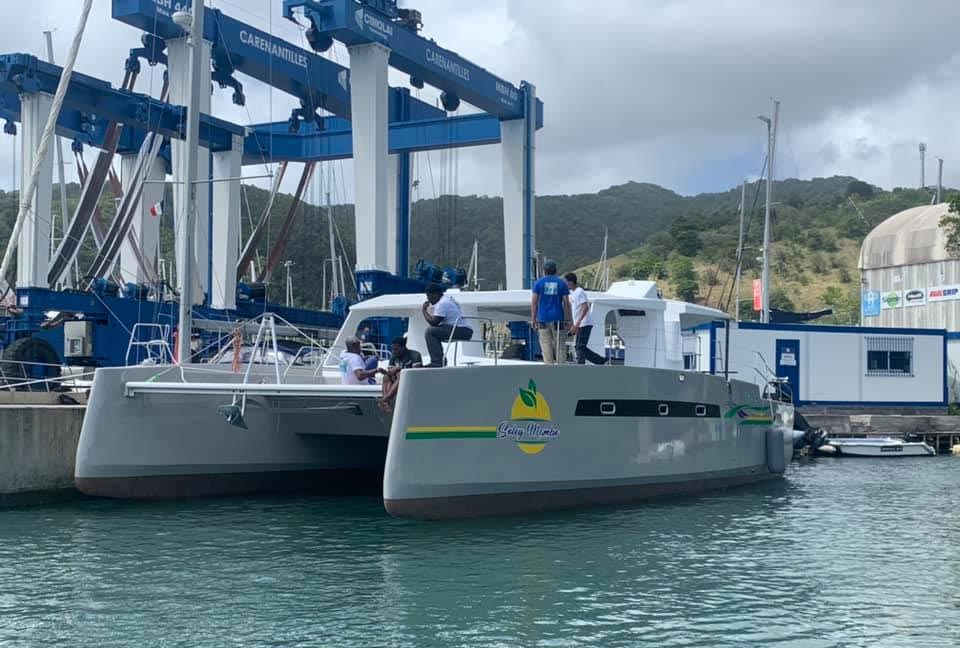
x,y
444,323
549,309
582,322
352,366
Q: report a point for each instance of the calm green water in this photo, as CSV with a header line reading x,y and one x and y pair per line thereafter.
x,y
842,553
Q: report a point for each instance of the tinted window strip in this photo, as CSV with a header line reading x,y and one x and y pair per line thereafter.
x,y
644,408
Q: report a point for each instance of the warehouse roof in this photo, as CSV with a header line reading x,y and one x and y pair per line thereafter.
x,y
910,237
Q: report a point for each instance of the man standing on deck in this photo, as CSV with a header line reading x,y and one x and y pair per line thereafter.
x,y
582,322
549,309
445,323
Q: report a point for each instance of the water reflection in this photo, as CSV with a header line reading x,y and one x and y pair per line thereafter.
x,y
840,553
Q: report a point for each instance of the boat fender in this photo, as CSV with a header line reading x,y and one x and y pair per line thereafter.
x,y
776,461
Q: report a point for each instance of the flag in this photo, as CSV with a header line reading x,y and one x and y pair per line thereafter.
x,y
757,295
157,210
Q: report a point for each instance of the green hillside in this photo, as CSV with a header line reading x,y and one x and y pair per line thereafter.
x,y
687,243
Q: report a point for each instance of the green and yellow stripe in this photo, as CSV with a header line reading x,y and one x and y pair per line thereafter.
x,y
452,432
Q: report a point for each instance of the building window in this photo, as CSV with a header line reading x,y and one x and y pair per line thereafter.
x,y
889,356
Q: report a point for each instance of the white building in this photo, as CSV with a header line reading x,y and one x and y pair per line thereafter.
x,y
842,366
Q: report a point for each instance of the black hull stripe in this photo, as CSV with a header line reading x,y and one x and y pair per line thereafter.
x,y
638,408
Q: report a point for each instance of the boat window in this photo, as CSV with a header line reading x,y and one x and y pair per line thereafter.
x,y
663,409
889,356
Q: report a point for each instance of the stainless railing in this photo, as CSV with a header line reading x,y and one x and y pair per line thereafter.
x,y
483,341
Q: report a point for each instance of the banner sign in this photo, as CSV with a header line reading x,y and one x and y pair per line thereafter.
x,y
870,303
915,297
943,293
891,299
757,295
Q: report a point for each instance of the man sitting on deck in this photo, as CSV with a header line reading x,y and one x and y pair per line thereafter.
x,y
352,371
446,323
401,358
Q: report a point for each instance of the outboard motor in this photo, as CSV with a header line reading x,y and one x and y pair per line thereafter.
x,y
805,435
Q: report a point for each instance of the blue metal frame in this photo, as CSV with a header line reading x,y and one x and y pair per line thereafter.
x,y
317,82
335,141
354,23
113,317
93,103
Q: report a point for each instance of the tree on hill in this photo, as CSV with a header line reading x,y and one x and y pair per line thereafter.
x,y
685,232
950,223
860,188
684,278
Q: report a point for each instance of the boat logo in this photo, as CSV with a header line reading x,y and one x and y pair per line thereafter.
x,y
528,426
747,415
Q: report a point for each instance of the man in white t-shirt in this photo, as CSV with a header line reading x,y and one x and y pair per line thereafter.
x,y
582,321
352,371
445,323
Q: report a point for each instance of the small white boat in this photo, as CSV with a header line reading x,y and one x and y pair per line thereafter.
x,y
876,447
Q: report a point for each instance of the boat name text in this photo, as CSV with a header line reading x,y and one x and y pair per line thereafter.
x,y
528,432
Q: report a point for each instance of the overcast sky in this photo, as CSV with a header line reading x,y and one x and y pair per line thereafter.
x,y
663,91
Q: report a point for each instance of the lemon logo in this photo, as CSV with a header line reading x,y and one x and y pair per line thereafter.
x,y
529,405
525,427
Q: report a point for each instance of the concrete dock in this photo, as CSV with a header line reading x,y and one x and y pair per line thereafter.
x,y
38,446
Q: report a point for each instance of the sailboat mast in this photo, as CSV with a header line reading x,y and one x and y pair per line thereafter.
x,y
189,208
736,283
58,151
771,154
337,288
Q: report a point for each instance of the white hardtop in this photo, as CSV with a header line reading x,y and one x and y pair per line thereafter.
x,y
628,300
622,294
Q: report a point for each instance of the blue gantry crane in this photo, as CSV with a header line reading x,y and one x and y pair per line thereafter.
x,y
343,112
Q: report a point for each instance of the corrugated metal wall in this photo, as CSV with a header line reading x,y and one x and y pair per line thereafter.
x,y
923,276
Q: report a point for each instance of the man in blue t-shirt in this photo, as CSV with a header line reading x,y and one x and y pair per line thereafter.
x,y
549,309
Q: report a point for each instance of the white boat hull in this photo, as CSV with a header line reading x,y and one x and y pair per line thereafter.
x,y
881,447
462,446
137,443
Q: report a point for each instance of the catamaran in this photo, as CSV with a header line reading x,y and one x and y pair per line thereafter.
x,y
483,435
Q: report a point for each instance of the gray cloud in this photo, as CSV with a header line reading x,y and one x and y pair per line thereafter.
x,y
661,91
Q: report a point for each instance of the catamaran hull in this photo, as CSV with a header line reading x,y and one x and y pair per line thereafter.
x,y
164,444
498,440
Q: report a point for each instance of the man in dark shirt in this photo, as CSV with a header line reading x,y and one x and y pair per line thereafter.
x,y
400,358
